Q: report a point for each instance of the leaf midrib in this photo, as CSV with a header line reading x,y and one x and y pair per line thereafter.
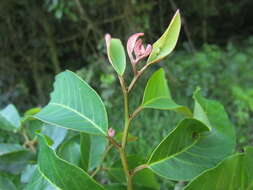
x,y
152,100
78,113
174,155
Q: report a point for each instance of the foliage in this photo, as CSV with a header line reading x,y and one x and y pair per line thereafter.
x,y
41,38
201,146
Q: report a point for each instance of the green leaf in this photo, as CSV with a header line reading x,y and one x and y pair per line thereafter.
x,y
75,105
14,158
92,150
116,55
167,42
210,148
57,134
32,111
179,140
61,173
31,127
27,173
157,95
29,113
6,184
38,182
9,118
70,151
233,173
184,136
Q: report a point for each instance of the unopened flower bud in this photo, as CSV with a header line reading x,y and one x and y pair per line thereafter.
x,y
111,132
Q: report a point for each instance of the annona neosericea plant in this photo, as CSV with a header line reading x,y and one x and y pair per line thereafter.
x,y
202,140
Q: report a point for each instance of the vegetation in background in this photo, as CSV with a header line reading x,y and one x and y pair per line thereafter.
x,y
40,39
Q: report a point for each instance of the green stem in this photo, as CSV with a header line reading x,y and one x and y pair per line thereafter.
x,y
126,169
125,134
126,112
136,77
27,143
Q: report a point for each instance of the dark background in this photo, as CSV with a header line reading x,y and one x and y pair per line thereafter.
x,y
38,39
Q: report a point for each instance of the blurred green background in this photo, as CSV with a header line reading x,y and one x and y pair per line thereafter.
x,y
38,39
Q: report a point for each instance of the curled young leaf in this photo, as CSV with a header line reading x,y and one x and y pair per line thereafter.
x,y
136,50
167,42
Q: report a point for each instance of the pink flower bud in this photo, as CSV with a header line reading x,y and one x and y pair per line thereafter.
x,y
131,44
111,132
135,45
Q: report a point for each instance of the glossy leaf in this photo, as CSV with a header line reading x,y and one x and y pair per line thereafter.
x,y
14,158
6,184
38,182
184,136
157,95
92,150
75,105
9,118
61,173
210,148
179,140
116,55
167,42
234,173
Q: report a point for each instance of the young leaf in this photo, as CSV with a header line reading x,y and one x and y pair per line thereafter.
x,y
9,118
233,173
92,150
167,42
75,105
61,173
14,158
116,55
210,148
157,95
32,111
